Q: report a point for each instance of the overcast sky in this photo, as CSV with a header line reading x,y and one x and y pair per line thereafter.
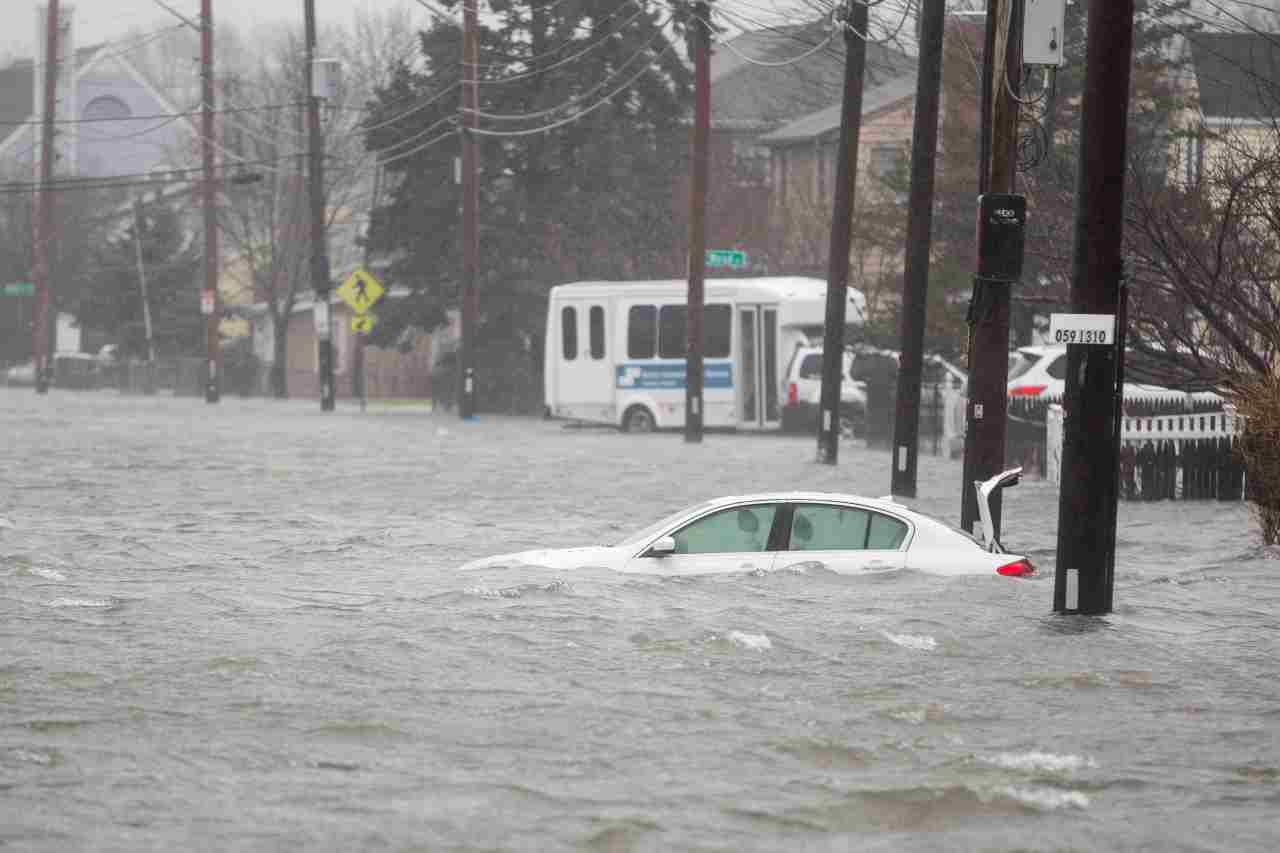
x,y
103,20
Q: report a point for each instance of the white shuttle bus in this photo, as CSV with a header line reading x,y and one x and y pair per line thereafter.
x,y
615,351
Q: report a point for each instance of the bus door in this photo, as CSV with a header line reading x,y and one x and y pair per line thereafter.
x,y
585,372
758,379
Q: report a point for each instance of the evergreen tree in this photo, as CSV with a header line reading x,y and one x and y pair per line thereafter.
x,y
111,299
591,196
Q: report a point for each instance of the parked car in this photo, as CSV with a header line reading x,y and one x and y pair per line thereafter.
x,y
802,398
1036,371
1040,372
839,533
21,374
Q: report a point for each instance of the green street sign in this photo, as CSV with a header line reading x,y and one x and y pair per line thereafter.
x,y
726,259
20,288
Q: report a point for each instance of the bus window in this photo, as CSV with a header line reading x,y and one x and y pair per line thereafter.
x,y
596,322
716,326
569,332
642,331
673,331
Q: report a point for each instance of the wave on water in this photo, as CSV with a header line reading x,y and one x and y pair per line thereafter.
x,y
47,574
1042,762
1047,799
755,642
917,642
108,603
556,587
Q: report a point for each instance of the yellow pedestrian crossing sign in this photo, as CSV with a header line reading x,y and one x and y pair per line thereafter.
x,y
360,291
362,323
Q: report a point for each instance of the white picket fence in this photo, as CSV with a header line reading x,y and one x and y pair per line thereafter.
x,y
1139,430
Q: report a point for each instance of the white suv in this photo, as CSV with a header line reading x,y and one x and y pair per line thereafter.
x,y
802,393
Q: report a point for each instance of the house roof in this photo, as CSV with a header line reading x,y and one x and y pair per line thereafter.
x,y
827,120
1238,74
747,96
17,91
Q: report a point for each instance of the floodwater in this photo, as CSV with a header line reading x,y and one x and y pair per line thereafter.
x,y
243,627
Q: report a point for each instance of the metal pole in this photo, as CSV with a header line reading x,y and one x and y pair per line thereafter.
x,y
1086,514
44,207
149,387
854,20
700,36
915,272
988,406
470,210
319,254
213,343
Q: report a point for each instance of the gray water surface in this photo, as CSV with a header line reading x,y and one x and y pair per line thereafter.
x,y
243,627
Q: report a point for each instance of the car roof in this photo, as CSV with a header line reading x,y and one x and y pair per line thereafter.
x,y
839,497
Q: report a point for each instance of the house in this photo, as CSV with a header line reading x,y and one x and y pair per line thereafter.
x,y
1236,90
756,90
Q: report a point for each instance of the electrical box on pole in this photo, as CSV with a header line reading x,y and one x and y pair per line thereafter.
x,y
326,78
1042,26
1002,226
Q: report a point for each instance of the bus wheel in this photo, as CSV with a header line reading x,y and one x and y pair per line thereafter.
x,y
638,419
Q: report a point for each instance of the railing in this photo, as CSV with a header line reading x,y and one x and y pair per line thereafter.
x,y
1188,455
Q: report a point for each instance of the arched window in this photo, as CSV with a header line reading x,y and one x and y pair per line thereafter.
x,y
106,107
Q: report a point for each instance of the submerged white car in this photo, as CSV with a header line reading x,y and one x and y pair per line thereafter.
x,y
798,530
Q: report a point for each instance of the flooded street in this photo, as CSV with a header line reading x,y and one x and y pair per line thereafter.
x,y
243,627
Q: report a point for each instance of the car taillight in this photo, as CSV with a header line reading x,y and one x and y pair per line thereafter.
x,y
1017,569
793,394
1026,390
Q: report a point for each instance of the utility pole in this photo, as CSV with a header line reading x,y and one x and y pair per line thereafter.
x,y
361,374
915,271
470,210
44,208
319,253
853,19
988,405
1086,506
700,41
150,386
209,301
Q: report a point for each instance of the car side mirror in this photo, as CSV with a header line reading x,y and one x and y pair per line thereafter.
x,y
663,546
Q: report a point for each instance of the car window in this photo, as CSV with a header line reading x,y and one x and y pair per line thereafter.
x,y
1058,367
811,366
736,530
822,527
1025,361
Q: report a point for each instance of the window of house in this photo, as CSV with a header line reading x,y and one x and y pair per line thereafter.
x,y
569,332
596,323
886,161
642,331
105,108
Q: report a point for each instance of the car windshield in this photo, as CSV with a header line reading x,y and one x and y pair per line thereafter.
x,y
653,529
1025,361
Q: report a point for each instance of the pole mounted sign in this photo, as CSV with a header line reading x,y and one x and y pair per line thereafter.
x,y
20,288
1082,328
726,259
360,291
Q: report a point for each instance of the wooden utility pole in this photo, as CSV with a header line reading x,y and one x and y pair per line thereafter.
x,y
988,407
915,272
1086,506
319,252
44,206
854,22
209,299
700,41
149,386
470,209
